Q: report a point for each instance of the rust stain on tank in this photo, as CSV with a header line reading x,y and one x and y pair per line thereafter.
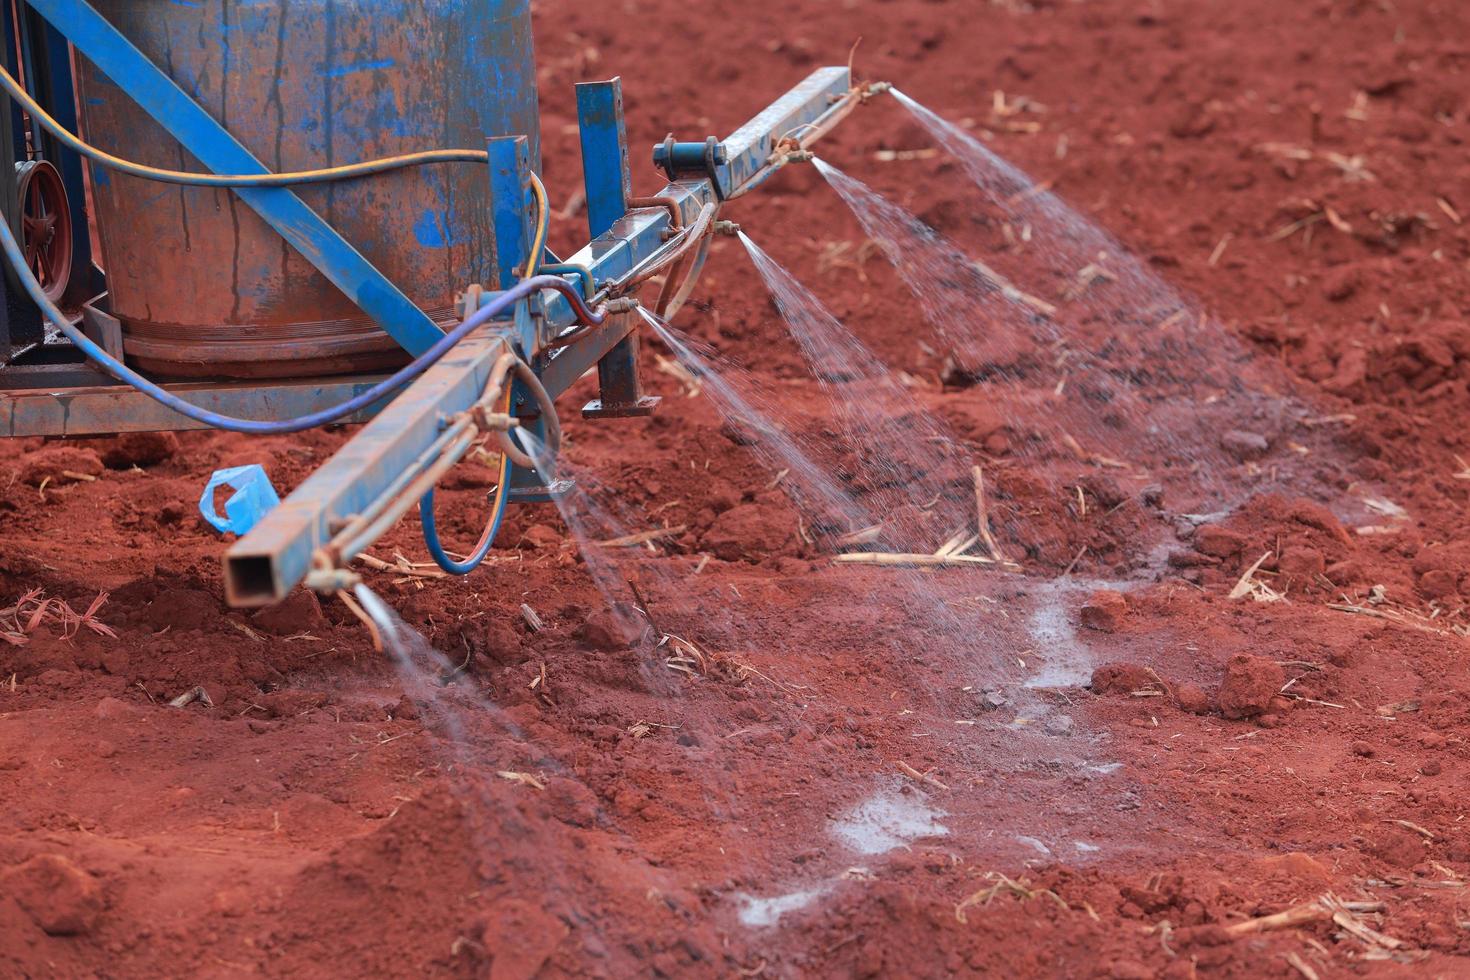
x,y
203,285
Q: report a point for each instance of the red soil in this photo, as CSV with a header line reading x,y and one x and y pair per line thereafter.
x,y
321,818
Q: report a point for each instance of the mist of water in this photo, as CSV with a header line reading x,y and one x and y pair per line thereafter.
x,y
814,488
1154,344
904,460
1087,381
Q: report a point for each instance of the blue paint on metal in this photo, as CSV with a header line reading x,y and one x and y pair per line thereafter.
x,y
428,230
511,205
605,172
268,562
342,71
750,147
117,57
639,234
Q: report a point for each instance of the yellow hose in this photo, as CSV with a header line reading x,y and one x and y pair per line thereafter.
x,y
543,225
74,142
381,165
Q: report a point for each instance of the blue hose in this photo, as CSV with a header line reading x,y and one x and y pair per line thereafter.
x,y
492,529
499,304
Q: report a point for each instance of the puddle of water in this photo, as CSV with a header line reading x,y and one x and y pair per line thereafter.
x,y
1065,662
761,912
1035,844
1086,848
886,820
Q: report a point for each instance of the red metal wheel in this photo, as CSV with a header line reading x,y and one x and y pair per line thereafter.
x,y
46,233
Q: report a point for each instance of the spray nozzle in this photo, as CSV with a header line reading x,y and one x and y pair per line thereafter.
x,y
728,228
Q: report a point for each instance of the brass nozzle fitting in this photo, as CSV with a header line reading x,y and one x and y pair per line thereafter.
x,y
330,580
729,228
488,421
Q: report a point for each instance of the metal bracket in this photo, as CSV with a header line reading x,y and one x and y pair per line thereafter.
x,y
209,142
692,159
618,383
605,173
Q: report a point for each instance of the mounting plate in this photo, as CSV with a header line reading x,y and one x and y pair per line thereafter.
x,y
642,407
558,490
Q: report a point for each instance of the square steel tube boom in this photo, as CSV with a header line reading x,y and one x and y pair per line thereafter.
x,y
264,565
268,562
640,233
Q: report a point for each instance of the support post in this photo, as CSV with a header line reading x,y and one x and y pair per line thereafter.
x,y
605,173
513,213
512,206
619,388
609,186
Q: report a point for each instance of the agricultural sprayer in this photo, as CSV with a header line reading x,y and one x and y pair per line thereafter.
x,y
255,282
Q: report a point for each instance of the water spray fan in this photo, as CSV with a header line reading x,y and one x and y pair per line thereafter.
x,y
481,356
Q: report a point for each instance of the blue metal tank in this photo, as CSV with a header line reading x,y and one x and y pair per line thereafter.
x,y
202,285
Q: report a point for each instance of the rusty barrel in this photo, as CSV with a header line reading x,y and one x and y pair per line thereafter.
x,y
202,285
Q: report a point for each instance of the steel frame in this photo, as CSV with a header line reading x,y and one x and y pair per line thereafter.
x,y
272,559
269,561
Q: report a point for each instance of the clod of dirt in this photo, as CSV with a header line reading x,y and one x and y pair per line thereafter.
x,y
540,537
1249,686
59,897
299,612
55,463
1120,678
1438,583
1104,610
1303,564
290,704
182,609
1341,283
1364,749
1398,847
1431,768
1345,573
604,630
1245,445
750,531
141,449
1192,698
520,938
1217,541
1302,867
110,708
